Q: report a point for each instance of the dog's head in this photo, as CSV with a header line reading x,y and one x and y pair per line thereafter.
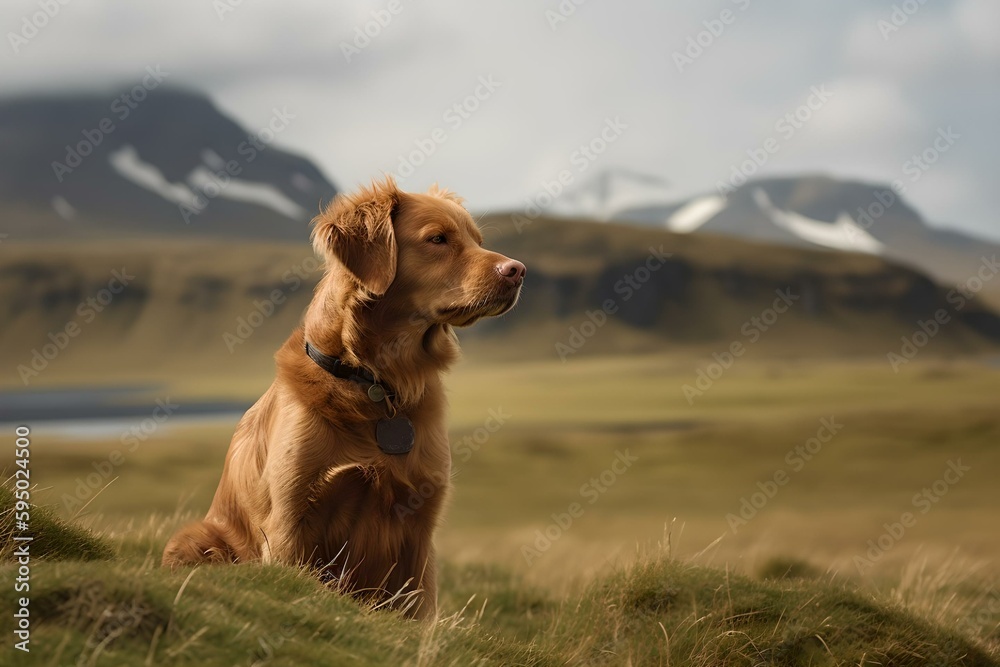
x,y
423,252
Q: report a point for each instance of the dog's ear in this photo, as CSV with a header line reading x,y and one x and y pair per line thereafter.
x,y
357,230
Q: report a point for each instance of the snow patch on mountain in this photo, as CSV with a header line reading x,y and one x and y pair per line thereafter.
x,y
63,208
202,181
251,192
841,234
127,163
695,213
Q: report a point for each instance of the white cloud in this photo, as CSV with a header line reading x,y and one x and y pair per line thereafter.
x,y
866,117
979,21
904,55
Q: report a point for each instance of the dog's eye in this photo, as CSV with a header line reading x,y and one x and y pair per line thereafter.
x,y
438,238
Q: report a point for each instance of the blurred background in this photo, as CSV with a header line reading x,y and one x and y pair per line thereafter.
x,y
761,242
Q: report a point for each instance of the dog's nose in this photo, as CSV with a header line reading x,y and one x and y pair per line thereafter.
x,y
512,271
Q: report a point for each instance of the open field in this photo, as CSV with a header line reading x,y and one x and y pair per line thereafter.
x,y
563,424
890,438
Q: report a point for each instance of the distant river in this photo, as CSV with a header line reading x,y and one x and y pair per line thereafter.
x,y
94,412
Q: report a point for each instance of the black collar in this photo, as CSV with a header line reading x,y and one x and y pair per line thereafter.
x,y
337,368
393,434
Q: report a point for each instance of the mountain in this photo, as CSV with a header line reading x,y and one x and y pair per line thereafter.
x,y
196,309
823,212
172,163
703,291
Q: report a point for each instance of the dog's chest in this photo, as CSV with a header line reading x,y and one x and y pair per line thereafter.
x,y
372,485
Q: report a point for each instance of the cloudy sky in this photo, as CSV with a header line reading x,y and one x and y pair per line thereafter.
x,y
686,113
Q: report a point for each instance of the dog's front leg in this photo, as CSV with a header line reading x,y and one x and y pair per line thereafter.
x,y
296,474
428,605
416,573
281,532
285,532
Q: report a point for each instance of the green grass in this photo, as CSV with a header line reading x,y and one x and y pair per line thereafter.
x,y
128,611
52,538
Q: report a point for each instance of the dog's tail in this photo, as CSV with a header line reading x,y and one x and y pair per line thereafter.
x,y
200,542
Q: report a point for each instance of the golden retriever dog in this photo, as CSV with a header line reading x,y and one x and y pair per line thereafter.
x,y
323,470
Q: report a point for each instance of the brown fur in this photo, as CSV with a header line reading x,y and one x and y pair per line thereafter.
x,y
304,481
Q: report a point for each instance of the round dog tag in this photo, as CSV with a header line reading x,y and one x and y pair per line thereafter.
x,y
394,436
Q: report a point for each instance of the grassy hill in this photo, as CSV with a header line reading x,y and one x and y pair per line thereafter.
x,y
100,601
